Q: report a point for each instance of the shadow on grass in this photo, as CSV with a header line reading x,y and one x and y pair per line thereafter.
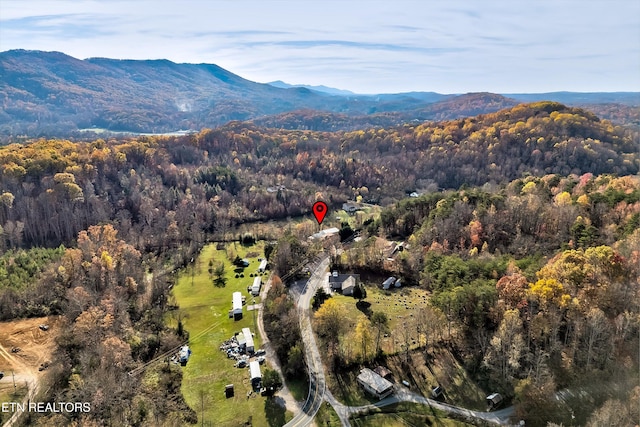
x,y
275,411
364,307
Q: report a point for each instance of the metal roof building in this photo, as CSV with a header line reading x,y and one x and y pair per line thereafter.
x,y
374,383
248,338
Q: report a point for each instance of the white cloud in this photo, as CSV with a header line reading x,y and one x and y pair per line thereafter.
x,y
364,46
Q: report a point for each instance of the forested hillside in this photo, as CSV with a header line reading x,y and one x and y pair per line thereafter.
x,y
539,282
51,94
537,198
52,189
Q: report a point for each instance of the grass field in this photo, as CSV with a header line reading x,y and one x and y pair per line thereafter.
x,y
397,304
441,368
405,414
204,311
327,416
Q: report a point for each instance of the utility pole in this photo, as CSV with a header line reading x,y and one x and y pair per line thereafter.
x,y
193,268
202,405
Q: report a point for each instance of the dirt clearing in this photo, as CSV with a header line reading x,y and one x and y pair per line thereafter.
x,y
25,352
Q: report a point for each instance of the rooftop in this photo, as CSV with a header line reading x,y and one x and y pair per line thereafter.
x,y
375,381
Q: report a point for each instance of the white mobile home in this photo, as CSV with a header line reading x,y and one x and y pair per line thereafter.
x,y
254,373
248,338
257,284
237,305
263,266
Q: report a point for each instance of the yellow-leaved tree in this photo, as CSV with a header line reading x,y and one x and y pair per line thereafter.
x,y
330,323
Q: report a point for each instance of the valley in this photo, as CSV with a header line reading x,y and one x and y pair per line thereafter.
x,y
474,262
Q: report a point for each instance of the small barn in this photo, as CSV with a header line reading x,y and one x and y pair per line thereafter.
x,y
374,384
228,391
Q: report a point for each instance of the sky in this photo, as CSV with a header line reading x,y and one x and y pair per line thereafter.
x,y
366,46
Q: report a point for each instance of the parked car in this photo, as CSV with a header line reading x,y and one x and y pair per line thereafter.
x,y
260,352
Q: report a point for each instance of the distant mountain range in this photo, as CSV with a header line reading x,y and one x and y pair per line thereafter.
x,y
53,94
319,88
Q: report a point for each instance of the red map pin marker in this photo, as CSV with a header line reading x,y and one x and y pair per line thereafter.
x,y
320,211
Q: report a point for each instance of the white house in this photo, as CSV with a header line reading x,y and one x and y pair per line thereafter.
x,y
323,234
343,282
350,208
348,286
374,384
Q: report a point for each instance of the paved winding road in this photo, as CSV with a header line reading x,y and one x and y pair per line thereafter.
x,y
318,391
317,385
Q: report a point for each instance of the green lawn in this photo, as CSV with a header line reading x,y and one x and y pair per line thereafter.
x,y
397,304
204,310
299,388
327,416
405,414
442,368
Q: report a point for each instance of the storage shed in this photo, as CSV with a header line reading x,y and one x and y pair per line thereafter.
x,y
228,391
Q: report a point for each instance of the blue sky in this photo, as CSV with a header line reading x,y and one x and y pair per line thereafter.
x,y
502,46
